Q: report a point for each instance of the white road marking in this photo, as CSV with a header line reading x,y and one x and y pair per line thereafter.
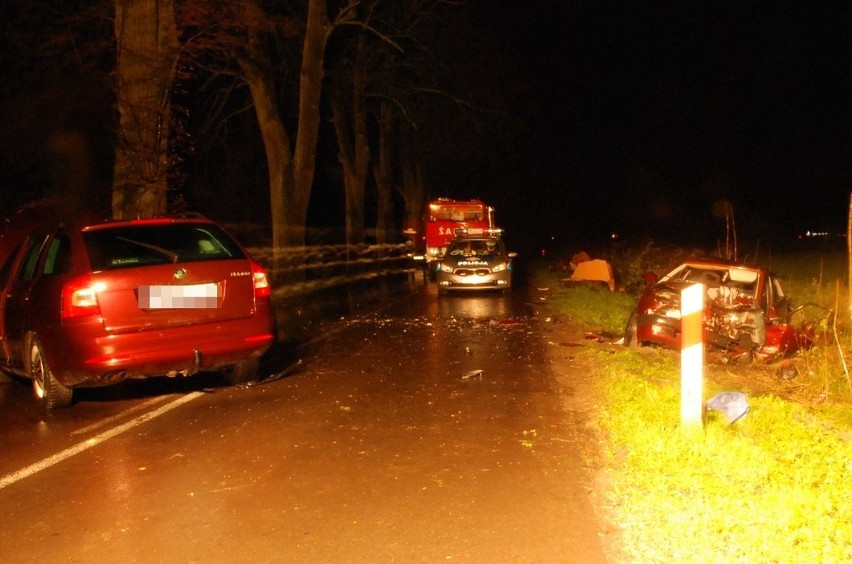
x,y
122,415
19,475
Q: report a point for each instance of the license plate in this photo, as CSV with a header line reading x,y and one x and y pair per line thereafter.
x,y
188,296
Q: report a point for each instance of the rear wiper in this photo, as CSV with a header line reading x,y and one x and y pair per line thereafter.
x,y
173,256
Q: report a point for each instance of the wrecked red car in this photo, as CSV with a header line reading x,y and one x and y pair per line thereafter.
x,y
746,313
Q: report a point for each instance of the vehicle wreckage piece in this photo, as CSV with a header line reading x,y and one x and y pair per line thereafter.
x,y
595,270
476,374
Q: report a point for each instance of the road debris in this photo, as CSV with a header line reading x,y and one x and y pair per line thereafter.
x,y
590,336
733,405
472,374
292,369
788,371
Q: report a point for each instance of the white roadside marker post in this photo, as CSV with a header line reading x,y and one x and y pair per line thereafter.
x,y
691,356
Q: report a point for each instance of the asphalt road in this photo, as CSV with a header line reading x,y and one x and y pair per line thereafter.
x,y
435,430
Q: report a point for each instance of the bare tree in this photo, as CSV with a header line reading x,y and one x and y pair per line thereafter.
x,y
147,47
353,144
413,186
381,67
254,30
453,99
383,173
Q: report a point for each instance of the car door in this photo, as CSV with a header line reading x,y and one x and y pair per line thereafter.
x,y
17,297
7,273
779,332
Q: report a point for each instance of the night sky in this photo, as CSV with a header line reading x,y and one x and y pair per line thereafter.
x,y
652,116
647,120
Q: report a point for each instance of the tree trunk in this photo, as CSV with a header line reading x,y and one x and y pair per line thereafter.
x,y
147,43
385,228
413,188
297,194
353,147
291,168
279,157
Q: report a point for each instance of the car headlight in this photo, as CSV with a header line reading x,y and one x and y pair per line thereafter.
x,y
499,268
446,268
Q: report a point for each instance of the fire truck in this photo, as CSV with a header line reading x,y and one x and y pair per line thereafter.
x,y
444,219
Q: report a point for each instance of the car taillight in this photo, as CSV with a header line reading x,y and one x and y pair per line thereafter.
x,y
80,298
260,280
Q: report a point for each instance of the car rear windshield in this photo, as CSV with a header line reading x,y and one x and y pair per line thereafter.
x,y
158,243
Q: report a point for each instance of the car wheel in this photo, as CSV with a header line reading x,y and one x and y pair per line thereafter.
x,y
242,372
745,358
630,331
46,387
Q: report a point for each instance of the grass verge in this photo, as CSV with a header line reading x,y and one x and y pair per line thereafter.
x,y
772,487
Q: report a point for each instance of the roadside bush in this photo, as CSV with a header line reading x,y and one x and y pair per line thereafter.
x,y
629,263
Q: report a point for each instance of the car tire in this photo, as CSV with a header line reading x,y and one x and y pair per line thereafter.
x,y
46,387
744,359
243,371
631,338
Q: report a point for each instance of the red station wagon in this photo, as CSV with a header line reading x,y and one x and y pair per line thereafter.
x,y
92,305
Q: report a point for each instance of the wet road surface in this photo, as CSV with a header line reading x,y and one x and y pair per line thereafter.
x,y
433,430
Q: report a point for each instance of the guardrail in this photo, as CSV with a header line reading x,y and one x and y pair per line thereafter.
x,y
303,270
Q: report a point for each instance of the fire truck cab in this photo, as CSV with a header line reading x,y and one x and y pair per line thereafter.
x,y
444,219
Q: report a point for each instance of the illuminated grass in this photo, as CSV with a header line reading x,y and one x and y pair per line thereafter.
x,y
819,277
595,307
775,486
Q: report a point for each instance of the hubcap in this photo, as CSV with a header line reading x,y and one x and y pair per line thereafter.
x,y
37,372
